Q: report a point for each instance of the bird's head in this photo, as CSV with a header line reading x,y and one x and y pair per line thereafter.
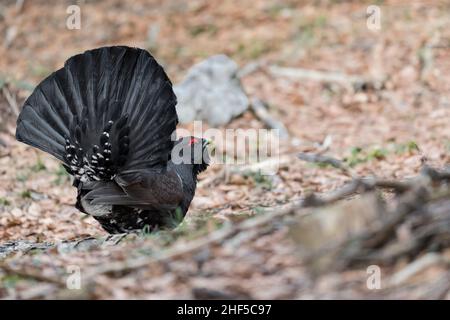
x,y
194,151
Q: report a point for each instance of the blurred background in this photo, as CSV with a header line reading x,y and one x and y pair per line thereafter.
x,y
370,87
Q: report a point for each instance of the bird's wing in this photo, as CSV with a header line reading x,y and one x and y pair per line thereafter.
x,y
159,189
145,189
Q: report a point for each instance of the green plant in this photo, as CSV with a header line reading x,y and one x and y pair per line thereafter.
x,y
146,231
277,8
260,180
4,202
359,155
26,194
10,281
408,147
307,30
377,153
39,165
253,49
61,175
208,28
22,176
39,70
355,157
258,210
176,219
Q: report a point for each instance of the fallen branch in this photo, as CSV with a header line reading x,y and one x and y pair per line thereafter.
x,y
183,248
260,110
231,230
249,68
419,265
217,237
326,160
398,186
421,206
266,166
30,274
356,82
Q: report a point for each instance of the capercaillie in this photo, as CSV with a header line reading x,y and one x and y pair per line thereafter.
x,y
109,116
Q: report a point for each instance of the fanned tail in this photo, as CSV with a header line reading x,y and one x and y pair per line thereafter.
x,y
107,111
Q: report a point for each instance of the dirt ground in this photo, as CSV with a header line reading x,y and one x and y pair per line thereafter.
x,y
388,130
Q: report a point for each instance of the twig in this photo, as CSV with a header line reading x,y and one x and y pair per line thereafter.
x,y
426,57
19,5
249,68
32,274
3,144
213,179
419,265
268,165
393,99
207,293
43,290
319,158
439,289
260,110
345,191
11,34
11,100
398,186
356,82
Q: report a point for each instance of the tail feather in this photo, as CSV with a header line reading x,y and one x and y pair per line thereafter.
x,y
41,139
107,111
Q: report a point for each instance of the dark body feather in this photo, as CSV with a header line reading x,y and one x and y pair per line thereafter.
x,y
109,116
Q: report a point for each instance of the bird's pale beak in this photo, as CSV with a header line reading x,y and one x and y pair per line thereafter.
x,y
210,147
206,143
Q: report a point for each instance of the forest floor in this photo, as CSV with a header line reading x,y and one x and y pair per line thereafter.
x,y
389,128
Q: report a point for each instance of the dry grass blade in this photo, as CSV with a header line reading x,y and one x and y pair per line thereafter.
x,y
12,101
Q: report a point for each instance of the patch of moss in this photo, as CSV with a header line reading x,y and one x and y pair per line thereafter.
x,y
38,166
26,194
4,202
261,181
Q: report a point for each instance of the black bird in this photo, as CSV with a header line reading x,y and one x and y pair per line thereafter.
x,y
109,116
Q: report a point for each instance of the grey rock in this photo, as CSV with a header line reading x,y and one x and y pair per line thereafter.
x,y
211,92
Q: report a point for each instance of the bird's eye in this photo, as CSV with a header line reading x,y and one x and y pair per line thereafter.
x,y
193,140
